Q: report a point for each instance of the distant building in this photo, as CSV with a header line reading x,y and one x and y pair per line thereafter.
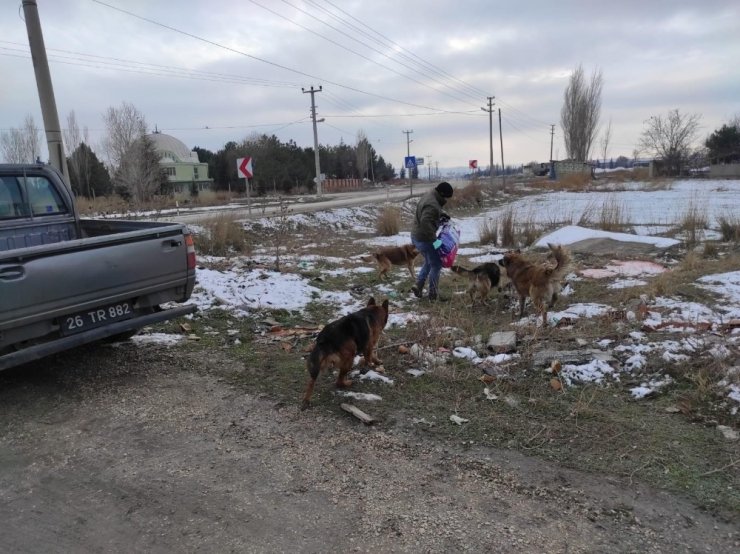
x,y
184,170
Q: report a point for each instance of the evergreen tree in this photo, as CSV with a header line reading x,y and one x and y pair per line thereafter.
x,y
88,174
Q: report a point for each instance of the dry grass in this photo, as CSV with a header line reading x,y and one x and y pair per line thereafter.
x,y
575,181
530,230
613,215
710,250
223,236
693,221
470,195
508,234
488,231
389,221
729,226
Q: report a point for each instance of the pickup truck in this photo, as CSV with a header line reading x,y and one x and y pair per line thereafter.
x,y
67,281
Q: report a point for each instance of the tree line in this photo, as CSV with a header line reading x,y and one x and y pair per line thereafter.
x,y
132,170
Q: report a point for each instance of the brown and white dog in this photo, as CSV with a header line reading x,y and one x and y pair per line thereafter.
x,y
481,280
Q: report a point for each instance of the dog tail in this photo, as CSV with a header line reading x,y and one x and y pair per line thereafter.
x,y
562,257
460,270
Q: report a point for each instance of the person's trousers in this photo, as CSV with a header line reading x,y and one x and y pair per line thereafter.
x,y
431,268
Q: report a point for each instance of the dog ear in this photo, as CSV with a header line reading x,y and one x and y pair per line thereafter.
x,y
371,302
385,304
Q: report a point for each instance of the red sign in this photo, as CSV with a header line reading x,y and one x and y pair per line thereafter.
x,y
473,164
244,167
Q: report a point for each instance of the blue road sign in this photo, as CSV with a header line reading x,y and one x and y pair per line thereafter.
x,y
409,162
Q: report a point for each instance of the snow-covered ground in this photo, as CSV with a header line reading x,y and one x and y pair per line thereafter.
x,y
684,328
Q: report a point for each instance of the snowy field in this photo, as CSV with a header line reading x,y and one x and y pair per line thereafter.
x,y
669,329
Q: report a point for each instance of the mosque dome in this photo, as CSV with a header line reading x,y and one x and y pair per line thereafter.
x,y
170,147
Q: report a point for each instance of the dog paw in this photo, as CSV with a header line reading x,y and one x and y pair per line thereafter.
x,y
344,384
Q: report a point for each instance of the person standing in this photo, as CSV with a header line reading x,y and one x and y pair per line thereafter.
x,y
428,217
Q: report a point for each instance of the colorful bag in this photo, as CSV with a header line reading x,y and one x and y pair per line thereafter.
x,y
450,237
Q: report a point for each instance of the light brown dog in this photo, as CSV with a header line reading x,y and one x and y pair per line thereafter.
x,y
394,255
539,281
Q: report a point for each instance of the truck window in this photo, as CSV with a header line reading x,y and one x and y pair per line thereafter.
x,y
11,200
43,197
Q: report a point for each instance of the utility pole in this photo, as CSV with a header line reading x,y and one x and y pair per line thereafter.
x,y
501,138
552,135
315,137
428,161
490,133
46,90
408,153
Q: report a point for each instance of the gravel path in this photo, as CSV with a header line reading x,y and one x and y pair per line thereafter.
x,y
149,449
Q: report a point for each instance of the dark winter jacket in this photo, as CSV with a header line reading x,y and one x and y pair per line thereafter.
x,y
428,213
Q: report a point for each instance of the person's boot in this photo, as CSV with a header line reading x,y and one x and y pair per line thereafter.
x,y
417,290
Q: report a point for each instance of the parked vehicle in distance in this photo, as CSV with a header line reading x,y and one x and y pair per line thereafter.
x,y
67,281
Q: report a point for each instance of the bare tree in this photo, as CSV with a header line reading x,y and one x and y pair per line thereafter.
x,y
670,137
139,174
606,138
80,163
22,145
579,116
124,126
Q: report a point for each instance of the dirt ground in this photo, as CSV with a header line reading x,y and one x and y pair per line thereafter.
x,y
131,449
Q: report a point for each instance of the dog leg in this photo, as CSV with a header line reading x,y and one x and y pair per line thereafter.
x,y
411,270
522,300
307,395
342,382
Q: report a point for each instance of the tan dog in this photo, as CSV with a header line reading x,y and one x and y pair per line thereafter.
x,y
539,281
394,255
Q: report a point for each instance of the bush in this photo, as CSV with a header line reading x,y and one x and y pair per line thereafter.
x,y
488,231
613,215
389,221
508,237
222,236
470,195
729,225
694,221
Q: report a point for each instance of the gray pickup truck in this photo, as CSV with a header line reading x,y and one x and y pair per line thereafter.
x,y
66,281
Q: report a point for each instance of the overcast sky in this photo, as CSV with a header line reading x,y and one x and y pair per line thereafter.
x,y
210,72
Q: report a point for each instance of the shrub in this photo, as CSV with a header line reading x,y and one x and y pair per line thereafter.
x,y
693,221
508,238
488,231
222,236
729,226
470,195
613,215
389,221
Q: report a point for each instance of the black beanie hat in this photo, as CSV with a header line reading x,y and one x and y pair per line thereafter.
x,y
445,189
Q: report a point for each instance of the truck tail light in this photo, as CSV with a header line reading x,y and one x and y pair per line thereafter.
x,y
190,250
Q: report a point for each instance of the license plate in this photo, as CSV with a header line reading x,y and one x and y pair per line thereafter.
x,y
96,317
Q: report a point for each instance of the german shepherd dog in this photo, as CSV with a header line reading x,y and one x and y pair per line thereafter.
x,y
340,341
539,281
394,255
481,280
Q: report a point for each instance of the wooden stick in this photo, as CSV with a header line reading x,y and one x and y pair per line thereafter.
x,y
359,414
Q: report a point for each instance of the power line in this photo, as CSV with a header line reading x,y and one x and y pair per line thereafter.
x,y
363,44
257,58
396,46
